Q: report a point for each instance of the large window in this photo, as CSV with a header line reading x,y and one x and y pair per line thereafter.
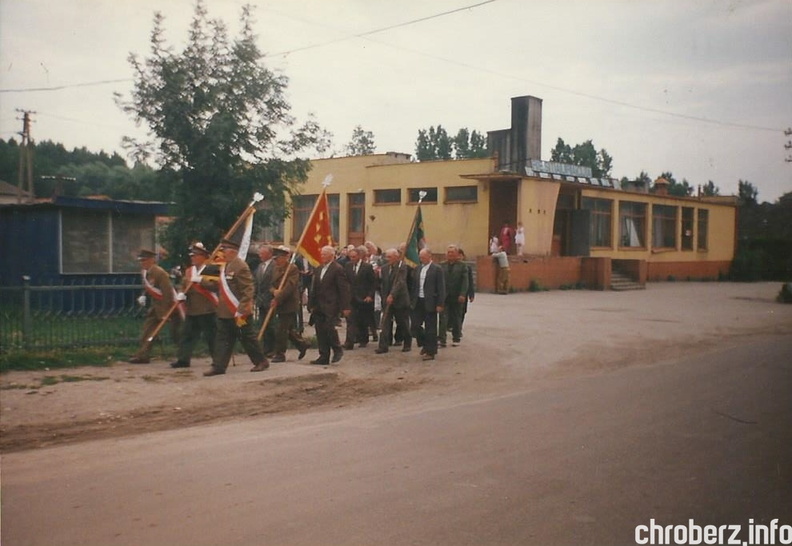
x,y
687,228
414,194
664,226
461,194
632,224
703,227
302,206
600,226
102,242
387,197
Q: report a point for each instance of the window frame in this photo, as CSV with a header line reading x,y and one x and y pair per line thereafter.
x,y
640,227
664,226
380,192
599,219
702,229
413,192
448,199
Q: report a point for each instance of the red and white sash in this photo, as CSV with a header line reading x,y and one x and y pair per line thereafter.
x,y
152,290
205,292
227,295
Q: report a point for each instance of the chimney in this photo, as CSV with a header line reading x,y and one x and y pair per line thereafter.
x,y
661,186
526,130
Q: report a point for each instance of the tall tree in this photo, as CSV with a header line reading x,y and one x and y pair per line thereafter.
x,y
433,143
584,155
467,144
362,142
710,189
219,126
747,192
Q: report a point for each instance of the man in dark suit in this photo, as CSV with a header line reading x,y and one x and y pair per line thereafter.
x,y
362,284
456,278
395,301
329,299
428,295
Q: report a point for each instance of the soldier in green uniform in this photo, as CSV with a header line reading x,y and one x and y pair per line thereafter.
x,y
286,303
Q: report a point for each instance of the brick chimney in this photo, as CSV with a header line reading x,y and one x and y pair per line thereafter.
x,y
661,186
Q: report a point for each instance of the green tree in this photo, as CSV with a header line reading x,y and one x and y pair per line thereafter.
x,y
433,144
362,142
583,155
679,189
747,192
469,144
710,189
219,125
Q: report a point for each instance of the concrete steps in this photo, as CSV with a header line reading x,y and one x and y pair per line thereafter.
x,y
620,282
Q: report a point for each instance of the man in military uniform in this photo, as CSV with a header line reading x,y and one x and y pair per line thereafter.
x,y
234,311
157,286
200,304
395,302
456,278
286,303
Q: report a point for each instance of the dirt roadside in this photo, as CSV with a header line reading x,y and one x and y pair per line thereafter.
x,y
509,342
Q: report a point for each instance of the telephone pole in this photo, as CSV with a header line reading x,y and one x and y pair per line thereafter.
x,y
25,158
788,145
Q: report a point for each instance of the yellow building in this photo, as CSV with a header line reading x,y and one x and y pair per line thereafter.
x,y
578,229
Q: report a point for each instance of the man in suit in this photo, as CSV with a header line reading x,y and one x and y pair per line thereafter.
x,y
157,286
263,282
396,301
329,299
234,312
286,303
362,285
200,304
427,297
456,278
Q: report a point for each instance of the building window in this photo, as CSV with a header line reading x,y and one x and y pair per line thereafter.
x,y
413,195
302,207
600,226
387,197
357,212
461,194
687,228
664,226
632,224
703,226
102,242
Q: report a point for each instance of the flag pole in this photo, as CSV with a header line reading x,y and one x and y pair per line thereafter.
x,y
413,227
247,212
326,182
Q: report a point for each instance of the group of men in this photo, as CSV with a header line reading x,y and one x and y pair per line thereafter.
x,y
216,303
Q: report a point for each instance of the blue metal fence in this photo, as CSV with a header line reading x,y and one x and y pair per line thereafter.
x,y
70,314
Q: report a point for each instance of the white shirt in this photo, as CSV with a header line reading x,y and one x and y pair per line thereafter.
x,y
424,270
323,271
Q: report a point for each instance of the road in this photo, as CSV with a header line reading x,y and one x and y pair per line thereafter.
x,y
568,460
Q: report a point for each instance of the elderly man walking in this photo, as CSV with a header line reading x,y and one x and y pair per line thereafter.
x,y
457,280
427,297
329,299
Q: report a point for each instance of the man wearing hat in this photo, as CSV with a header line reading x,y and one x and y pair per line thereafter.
x,y
158,288
286,303
200,304
234,312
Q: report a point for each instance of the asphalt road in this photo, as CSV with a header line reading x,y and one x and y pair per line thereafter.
x,y
567,461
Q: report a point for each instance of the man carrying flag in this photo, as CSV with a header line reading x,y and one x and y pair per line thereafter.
x,y
234,311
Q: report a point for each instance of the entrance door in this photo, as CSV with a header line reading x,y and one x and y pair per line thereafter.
x,y
502,206
356,219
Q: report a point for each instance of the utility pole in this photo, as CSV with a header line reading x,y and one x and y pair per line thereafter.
x,y
788,145
25,158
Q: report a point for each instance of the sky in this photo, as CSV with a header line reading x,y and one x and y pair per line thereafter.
x,y
700,89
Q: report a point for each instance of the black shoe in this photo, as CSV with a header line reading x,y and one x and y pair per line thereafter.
x,y
260,367
442,344
348,346
303,350
180,364
213,371
374,337
380,351
338,355
406,349
320,361
278,358
427,356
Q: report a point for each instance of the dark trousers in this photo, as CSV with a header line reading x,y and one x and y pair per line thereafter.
x,y
326,335
451,320
150,324
360,318
193,328
227,334
268,338
424,327
287,331
402,319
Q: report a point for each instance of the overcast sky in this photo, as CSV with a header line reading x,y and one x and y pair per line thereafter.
x,y
699,88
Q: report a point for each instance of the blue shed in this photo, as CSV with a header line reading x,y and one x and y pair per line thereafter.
x,y
71,239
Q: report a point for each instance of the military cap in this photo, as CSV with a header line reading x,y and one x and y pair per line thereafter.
x,y
228,243
146,253
281,250
198,248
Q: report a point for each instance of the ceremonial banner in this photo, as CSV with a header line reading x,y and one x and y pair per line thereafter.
x,y
416,241
317,232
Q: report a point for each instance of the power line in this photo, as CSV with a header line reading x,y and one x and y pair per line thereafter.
x,y
61,87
